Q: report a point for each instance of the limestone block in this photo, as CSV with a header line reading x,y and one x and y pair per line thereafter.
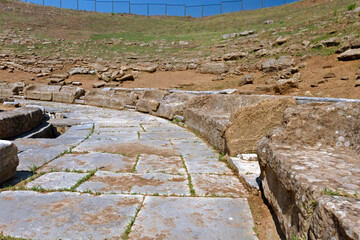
x,y
68,94
41,92
150,100
8,160
22,120
173,104
99,97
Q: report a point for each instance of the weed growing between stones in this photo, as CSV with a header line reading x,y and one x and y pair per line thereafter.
x,y
142,127
191,185
33,168
87,177
134,167
330,192
4,237
132,221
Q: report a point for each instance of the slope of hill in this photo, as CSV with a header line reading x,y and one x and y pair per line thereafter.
x,y
309,32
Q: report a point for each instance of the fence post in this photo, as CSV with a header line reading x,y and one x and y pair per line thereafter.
x,y
221,6
262,3
148,9
112,6
43,2
202,10
165,9
77,5
129,7
284,2
95,5
60,4
242,4
185,10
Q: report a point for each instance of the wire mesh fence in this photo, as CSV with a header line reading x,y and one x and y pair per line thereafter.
x,y
163,7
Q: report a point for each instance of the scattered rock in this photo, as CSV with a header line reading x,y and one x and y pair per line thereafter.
x,y
352,54
246,33
231,35
98,85
214,68
247,79
329,75
234,56
269,22
357,83
274,65
330,42
126,77
344,78
284,85
79,70
281,40
55,80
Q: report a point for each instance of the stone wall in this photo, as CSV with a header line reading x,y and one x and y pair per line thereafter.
x,y
19,121
310,171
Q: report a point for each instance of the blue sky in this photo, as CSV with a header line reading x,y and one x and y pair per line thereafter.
x,y
140,6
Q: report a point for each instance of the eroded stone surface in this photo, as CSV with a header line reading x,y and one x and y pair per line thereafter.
x,y
91,161
314,153
151,183
63,215
8,160
56,180
218,185
193,218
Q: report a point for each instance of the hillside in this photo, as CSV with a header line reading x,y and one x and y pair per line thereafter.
x,y
170,52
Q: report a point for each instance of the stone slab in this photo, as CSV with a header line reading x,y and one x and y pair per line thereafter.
x,y
91,161
154,163
56,180
166,135
218,185
248,170
148,183
193,218
63,215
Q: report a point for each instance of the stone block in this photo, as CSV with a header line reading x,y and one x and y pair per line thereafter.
x,y
8,160
150,100
173,104
68,94
41,92
22,120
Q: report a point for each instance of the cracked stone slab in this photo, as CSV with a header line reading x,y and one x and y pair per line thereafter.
x,y
63,215
193,218
147,183
218,185
155,163
56,180
91,161
39,156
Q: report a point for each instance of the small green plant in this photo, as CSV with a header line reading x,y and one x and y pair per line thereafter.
x,y
351,6
112,14
256,231
33,168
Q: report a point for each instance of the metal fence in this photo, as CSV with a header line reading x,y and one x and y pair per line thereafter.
x,y
150,8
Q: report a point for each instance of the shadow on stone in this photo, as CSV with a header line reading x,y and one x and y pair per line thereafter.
x,y
20,176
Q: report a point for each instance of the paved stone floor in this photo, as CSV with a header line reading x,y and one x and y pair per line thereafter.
x,y
122,174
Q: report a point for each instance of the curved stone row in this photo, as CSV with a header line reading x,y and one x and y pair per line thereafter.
x,y
19,121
